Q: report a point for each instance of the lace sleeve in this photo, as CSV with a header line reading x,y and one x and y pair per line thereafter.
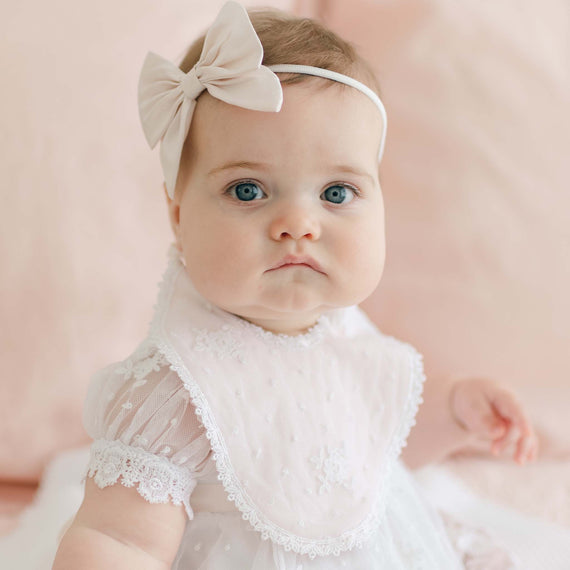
x,y
145,430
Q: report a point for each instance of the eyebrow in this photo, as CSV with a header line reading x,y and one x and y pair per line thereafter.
x,y
356,171
263,166
239,164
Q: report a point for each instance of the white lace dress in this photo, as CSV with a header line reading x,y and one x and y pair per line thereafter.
x,y
146,434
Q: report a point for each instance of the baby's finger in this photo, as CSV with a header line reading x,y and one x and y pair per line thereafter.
x,y
509,436
535,449
510,409
499,436
531,448
526,449
495,448
521,451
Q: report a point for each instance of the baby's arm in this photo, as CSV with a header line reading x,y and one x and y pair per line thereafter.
x,y
116,528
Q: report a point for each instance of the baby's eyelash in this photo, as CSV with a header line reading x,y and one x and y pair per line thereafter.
x,y
238,182
356,193
356,190
230,190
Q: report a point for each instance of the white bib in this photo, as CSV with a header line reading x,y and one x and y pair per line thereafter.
x,y
304,430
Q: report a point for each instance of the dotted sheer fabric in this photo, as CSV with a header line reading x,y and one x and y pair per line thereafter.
x,y
145,430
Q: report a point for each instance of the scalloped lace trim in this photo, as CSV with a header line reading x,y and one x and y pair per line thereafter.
x,y
311,337
157,479
268,530
414,401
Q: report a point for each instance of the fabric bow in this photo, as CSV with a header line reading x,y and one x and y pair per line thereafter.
x,y
229,68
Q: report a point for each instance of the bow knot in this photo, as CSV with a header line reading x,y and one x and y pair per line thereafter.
x,y
191,85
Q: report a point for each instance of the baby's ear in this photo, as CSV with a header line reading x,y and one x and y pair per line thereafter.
x,y
174,216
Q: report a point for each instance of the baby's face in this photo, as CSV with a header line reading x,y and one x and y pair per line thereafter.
x,y
298,188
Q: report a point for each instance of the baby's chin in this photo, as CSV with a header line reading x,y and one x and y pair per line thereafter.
x,y
292,326
286,319
279,314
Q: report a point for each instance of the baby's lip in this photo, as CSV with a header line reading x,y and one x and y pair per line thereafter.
x,y
298,260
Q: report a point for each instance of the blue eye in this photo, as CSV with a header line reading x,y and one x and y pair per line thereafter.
x,y
338,194
247,191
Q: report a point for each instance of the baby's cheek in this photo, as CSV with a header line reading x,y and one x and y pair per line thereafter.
x,y
228,266
368,265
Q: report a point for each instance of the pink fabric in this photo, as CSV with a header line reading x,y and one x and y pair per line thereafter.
x,y
475,179
83,221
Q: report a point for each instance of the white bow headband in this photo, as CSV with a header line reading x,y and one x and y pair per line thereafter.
x,y
230,69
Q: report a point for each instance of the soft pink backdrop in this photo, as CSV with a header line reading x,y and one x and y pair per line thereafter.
x,y
83,227
476,179
476,183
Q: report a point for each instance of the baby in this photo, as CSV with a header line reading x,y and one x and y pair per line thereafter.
x,y
260,423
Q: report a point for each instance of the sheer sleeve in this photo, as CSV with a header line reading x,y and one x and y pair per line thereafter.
x,y
145,430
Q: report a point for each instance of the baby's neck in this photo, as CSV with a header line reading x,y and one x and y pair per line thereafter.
x,y
279,326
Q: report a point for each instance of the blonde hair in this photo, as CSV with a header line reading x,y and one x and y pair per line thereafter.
x,y
290,39
301,41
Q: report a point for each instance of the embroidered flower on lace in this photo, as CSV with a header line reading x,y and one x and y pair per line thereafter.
x,y
222,342
142,362
157,478
333,469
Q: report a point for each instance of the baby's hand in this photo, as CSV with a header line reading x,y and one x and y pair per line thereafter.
x,y
488,410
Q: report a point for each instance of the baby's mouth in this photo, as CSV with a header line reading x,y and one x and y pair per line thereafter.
x,y
297,261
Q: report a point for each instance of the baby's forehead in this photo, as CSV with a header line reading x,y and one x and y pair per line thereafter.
x,y
316,117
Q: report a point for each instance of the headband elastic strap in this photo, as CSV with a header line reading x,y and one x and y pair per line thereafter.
x,y
340,78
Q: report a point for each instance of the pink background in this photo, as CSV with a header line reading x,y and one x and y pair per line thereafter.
x,y
84,231
476,178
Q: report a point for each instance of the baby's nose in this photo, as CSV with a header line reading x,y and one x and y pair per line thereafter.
x,y
295,222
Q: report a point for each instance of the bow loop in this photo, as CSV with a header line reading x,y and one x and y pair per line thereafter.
x,y
231,43
159,95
